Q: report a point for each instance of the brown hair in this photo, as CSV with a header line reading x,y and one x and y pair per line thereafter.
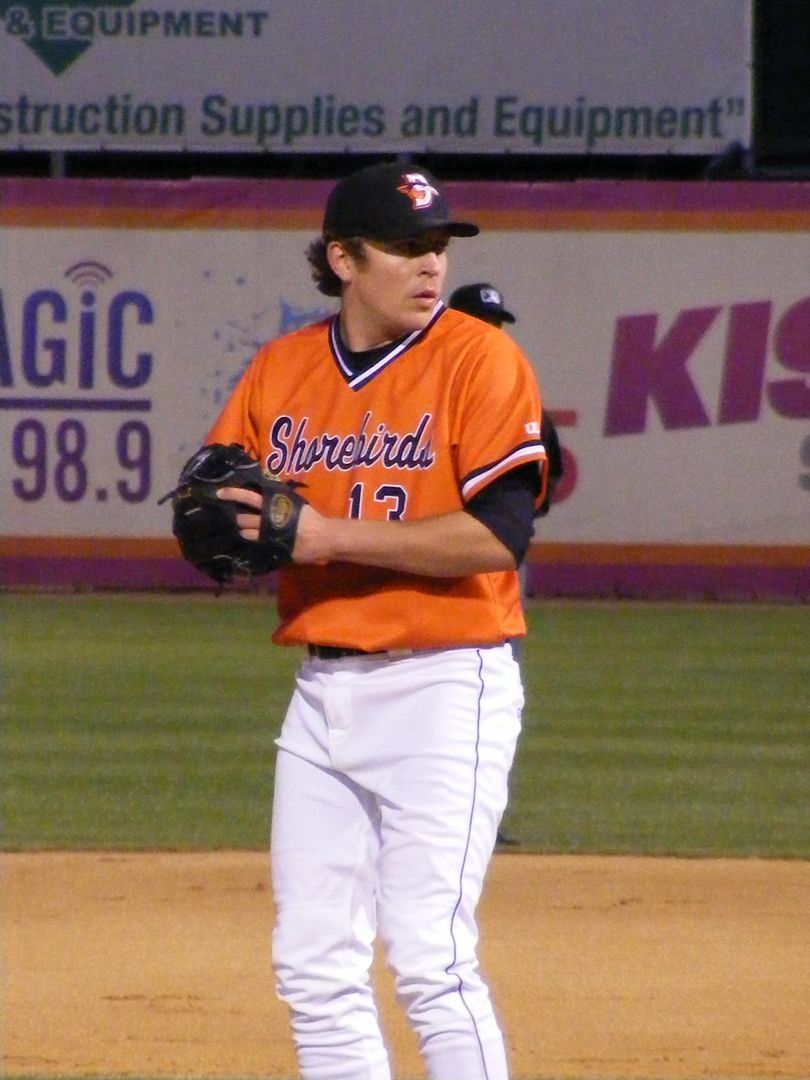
x,y
323,275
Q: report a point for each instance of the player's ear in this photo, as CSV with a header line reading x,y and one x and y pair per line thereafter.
x,y
340,260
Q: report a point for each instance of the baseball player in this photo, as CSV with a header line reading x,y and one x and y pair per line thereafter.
x,y
416,432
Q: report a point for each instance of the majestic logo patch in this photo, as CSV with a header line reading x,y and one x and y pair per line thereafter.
x,y
418,189
491,296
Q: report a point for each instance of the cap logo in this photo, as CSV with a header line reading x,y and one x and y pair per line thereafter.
x,y
418,189
491,296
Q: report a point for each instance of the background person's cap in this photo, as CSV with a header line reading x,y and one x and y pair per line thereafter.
x,y
482,300
390,201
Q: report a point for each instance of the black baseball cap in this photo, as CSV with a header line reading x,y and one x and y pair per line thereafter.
x,y
482,300
390,201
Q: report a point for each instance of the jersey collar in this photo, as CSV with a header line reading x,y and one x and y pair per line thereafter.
x,y
357,379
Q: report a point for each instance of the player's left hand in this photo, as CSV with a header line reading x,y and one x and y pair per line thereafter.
x,y
249,523
214,533
311,535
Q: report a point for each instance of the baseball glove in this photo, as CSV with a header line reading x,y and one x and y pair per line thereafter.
x,y
205,525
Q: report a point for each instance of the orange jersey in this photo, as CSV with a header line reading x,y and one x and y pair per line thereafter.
x,y
437,418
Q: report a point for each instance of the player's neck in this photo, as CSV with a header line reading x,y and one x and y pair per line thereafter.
x,y
361,333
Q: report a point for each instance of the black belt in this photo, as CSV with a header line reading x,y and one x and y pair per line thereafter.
x,y
336,652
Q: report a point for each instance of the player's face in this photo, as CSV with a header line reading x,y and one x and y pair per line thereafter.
x,y
393,289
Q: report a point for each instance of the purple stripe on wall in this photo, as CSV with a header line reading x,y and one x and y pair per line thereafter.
x,y
607,195
681,582
223,195
147,196
86,573
549,580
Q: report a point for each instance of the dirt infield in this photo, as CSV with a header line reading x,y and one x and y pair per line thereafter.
x,y
158,965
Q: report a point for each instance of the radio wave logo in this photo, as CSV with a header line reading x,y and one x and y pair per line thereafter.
x,y
88,274
56,33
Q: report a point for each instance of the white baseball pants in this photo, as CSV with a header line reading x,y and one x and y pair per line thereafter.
x,y
391,780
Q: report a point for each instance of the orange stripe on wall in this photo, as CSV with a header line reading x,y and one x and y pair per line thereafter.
x,y
642,220
87,547
505,220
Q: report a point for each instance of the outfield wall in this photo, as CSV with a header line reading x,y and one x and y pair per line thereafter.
x,y
669,324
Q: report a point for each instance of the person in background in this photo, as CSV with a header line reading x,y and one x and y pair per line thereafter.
x,y
485,302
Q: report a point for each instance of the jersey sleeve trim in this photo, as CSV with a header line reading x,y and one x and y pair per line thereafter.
x,y
479,478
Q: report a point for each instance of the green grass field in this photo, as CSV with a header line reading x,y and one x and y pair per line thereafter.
x,y
147,721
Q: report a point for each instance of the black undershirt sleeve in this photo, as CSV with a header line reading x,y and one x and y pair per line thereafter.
x,y
507,508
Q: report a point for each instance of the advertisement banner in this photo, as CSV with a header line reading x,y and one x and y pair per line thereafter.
x,y
668,324
305,76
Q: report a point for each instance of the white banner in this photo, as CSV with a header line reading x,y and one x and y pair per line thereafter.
x,y
455,76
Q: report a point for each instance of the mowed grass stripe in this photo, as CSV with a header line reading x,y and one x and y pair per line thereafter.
x,y
148,721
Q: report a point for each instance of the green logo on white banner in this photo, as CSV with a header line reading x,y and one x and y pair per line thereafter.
x,y
59,33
